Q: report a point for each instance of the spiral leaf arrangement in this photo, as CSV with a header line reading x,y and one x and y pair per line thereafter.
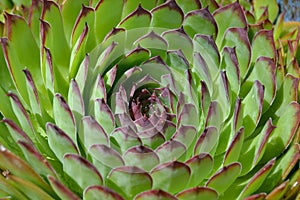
x,y
148,99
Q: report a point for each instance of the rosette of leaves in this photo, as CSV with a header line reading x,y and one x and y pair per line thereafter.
x,y
146,100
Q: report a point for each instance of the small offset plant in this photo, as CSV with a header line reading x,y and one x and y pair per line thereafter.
x,y
148,100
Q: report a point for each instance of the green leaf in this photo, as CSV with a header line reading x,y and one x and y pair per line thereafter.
x,y
130,6
13,192
256,181
64,117
253,150
107,17
24,45
60,142
234,149
126,138
171,177
90,132
207,140
70,10
229,16
104,115
237,38
260,5
106,155
32,93
142,157
287,123
155,195
129,180
86,18
137,19
206,47
188,5
263,45
168,15
198,193
264,71
100,192
62,191
178,40
17,166
28,188
84,174
222,179
200,22
252,107
78,52
201,166
38,162
54,37
170,150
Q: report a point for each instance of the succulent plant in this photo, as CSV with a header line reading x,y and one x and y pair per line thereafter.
x,y
147,99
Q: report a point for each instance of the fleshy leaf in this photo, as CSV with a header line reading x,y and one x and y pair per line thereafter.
x,y
142,157
60,142
64,117
106,155
155,195
168,15
221,180
234,150
90,132
85,174
62,191
137,19
18,167
171,177
264,70
198,193
253,150
201,165
263,45
207,140
256,181
104,116
229,16
107,16
252,107
170,150
129,180
242,48
200,22
100,192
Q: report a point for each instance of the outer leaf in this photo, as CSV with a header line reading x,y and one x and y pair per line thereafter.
x,y
28,188
64,117
171,177
221,180
62,191
201,165
229,16
256,181
100,192
129,180
198,193
142,157
168,15
200,22
60,142
107,16
263,45
90,132
155,195
84,174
